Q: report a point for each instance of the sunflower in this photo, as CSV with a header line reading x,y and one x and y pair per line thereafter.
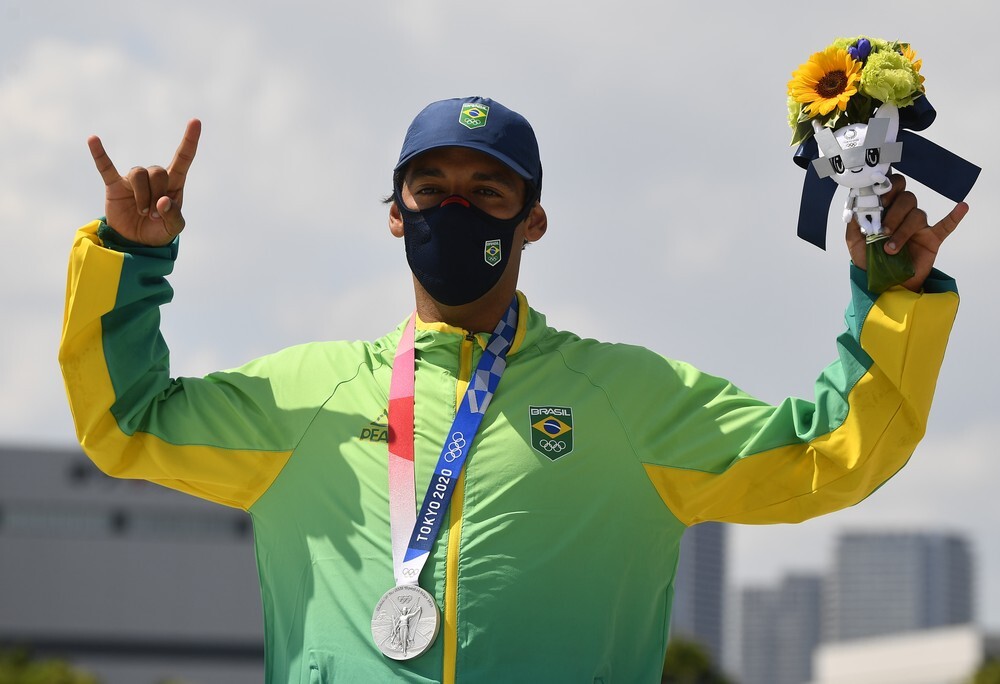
x,y
827,81
911,55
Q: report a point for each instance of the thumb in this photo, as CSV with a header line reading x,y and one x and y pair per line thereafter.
x,y
170,214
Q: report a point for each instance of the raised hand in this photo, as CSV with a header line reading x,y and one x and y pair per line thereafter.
x,y
907,224
145,206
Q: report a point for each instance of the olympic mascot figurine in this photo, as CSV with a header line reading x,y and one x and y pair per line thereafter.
x,y
847,106
858,157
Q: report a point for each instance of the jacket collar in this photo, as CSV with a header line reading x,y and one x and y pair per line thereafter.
x,y
432,335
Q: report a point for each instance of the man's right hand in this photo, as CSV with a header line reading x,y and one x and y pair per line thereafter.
x,y
145,206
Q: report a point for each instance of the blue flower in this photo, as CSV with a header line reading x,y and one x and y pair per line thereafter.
x,y
860,50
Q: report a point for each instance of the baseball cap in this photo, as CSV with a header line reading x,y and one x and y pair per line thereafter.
x,y
478,123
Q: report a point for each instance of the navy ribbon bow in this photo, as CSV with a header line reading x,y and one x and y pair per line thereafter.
x,y
923,161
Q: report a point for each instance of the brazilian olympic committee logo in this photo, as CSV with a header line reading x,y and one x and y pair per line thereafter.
x,y
551,430
491,252
473,115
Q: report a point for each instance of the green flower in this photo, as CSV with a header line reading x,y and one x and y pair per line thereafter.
x,y
890,77
800,122
794,111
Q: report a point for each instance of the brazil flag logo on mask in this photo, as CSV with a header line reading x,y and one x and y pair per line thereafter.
x,y
551,430
491,252
473,115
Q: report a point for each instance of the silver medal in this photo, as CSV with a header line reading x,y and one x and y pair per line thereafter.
x,y
405,622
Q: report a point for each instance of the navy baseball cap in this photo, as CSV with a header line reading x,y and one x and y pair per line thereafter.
x,y
481,124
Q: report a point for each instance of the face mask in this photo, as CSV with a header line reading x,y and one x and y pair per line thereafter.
x,y
456,250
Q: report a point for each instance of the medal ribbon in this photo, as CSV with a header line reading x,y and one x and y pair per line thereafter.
x,y
413,534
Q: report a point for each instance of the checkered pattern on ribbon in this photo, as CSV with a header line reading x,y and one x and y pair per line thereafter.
x,y
457,445
489,370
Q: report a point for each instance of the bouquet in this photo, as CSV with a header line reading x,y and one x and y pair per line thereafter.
x,y
848,98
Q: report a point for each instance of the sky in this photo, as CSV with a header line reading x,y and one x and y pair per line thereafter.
x,y
669,187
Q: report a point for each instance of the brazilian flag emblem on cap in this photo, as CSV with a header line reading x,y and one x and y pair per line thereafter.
x,y
551,430
473,115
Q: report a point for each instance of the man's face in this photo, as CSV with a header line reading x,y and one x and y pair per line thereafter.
x,y
486,182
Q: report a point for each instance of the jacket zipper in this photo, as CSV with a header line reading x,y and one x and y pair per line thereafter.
x,y
450,646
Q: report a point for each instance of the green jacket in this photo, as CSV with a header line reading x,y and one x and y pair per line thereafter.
x,y
558,557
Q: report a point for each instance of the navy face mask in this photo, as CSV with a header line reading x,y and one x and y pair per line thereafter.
x,y
456,250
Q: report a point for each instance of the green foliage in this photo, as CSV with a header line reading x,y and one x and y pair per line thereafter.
x,y
878,44
884,269
989,673
800,122
687,663
18,667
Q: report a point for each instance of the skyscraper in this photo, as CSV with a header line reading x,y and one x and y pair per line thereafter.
x,y
699,590
887,582
758,609
779,629
797,627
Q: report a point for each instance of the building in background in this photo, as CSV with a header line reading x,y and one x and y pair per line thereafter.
x,y
890,582
945,655
700,588
128,580
883,591
757,641
779,629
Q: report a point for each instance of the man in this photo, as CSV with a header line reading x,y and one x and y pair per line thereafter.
x,y
547,534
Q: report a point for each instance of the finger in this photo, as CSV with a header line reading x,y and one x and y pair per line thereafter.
x,y
138,178
898,185
856,245
896,212
854,231
949,223
170,212
913,222
157,187
184,155
109,174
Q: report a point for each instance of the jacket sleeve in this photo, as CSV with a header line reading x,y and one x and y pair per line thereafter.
x,y
715,453
224,437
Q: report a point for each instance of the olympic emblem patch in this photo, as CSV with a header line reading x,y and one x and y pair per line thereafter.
x,y
473,115
551,430
491,252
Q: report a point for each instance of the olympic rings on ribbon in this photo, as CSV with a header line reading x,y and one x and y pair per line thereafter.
x,y
455,447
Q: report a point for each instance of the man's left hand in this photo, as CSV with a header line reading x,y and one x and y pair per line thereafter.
x,y
907,224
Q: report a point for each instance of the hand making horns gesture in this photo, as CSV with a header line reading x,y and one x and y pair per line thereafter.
x,y
145,206
907,225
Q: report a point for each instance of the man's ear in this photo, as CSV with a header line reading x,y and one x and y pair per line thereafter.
x,y
536,223
395,220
